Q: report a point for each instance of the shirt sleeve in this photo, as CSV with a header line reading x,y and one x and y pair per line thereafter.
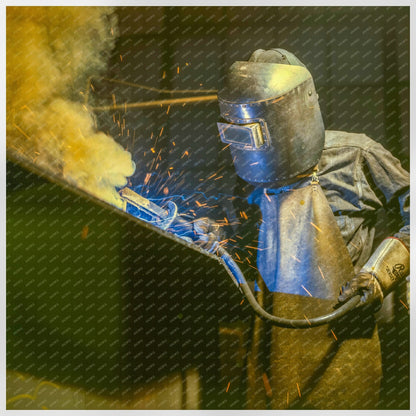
x,y
394,184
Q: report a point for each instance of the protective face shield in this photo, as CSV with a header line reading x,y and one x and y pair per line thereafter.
x,y
271,120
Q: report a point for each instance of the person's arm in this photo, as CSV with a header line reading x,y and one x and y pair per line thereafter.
x,y
390,262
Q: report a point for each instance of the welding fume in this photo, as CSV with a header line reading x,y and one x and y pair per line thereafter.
x,y
51,53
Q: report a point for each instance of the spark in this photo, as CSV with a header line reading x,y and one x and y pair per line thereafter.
x,y
25,107
114,100
293,215
267,196
313,225
404,304
146,179
278,99
225,147
333,333
295,258
267,387
223,243
21,131
242,302
297,385
309,322
121,58
152,150
323,277
161,131
253,164
219,177
307,291
354,245
254,248
84,232
228,386
167,111
177,70
185,153
243,215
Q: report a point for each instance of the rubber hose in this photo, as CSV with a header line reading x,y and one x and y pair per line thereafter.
x,y
276,320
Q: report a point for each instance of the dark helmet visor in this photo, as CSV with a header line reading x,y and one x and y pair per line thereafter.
x,y
245,136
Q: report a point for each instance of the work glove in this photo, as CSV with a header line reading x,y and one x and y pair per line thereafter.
x,y
366,286
388,265
207,233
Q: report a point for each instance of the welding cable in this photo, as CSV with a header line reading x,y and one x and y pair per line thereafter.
x,y
241,283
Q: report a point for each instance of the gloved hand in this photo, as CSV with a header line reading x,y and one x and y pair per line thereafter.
x,y
366,285
207,233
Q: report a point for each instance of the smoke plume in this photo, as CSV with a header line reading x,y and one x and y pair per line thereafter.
x,y
51,53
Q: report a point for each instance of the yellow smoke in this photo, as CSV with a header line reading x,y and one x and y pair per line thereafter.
x,y
51,52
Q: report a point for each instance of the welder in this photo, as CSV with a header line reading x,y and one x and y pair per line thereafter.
x,y
318,192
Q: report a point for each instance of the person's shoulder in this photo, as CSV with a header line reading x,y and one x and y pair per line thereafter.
x,y
337,139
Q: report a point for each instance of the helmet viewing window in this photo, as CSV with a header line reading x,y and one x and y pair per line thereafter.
x,y
247,136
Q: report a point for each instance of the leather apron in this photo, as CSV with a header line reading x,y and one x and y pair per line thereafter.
x,y
303,261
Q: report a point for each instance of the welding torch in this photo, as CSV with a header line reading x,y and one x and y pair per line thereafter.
x,y
169,219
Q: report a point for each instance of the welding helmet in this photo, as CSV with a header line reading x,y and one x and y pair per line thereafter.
x,y
270,118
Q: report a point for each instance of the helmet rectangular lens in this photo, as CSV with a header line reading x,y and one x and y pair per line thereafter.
x,y
243,135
